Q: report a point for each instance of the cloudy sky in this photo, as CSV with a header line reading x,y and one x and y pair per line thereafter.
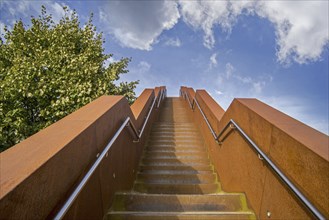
x,y
275,51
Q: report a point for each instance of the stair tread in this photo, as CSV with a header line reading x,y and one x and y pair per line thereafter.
x,y
183,157
179,166
177,171
180,160
182,215
177,188
189,213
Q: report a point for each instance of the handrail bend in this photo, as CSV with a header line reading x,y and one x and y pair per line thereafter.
x,y
127,123
233,125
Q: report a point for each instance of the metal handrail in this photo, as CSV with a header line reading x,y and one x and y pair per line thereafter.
x,y
163,93
139,133
233,125
127,122
188,99
209,126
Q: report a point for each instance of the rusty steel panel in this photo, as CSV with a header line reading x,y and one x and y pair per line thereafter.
x,y
298,150
38,174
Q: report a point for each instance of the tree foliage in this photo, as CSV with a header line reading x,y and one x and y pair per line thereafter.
x,y
48,70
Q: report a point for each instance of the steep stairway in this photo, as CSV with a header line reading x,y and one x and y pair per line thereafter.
x,y
176,179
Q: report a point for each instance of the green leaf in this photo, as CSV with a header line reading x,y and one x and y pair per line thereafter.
x,y
49,70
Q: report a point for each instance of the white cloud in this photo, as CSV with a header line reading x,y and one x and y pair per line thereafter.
x,y
143,67
213,61
138,24
218,92
229,69
258,86
302,28
109,61
174,42
148,78
232,77
205,15
56,10
243,79
24,9
2,29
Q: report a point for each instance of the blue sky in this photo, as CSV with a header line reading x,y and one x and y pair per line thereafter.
x,y
275,51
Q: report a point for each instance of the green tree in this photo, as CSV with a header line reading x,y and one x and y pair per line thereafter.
x,y
48,70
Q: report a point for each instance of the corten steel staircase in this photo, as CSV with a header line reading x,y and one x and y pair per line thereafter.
x,y
176,179
281,165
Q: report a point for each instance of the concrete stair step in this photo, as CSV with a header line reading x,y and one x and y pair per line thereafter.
x,y
174,130
177,109
175,134
177,188
196,167
174,161
171,148
175,154
130,201
174,138
174,119
171,164
180,215
181,178
173,125
175,143
179,172
174,114
163,124
178,147
191,139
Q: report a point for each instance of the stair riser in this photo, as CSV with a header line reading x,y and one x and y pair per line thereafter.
x,y
173,168
174,143
174,138
175,131
172,134
182,146
176,188
181,216
175,181
191,156
175,161
177,203
183,154
178,172
175,126
172,178
170,149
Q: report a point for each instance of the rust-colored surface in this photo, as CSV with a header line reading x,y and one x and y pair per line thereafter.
x,y
313,139
38,174
137,106
298,150
191,94
212,110
40,147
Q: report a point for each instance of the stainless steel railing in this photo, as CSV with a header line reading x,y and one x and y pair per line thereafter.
x,y
138,134
261,155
